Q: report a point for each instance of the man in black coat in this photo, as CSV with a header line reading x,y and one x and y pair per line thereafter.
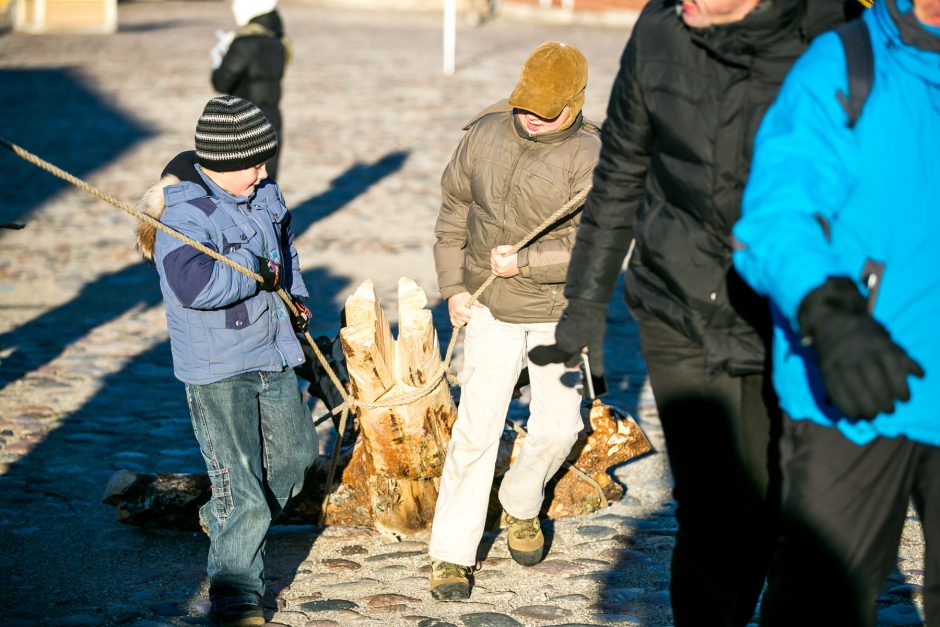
x,y
695,80
253,66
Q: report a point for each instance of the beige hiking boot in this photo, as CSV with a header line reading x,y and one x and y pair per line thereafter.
x,y
450,582
525,540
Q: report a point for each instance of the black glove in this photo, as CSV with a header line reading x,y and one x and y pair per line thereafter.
x,y
863,370
270,272
582,324
302,320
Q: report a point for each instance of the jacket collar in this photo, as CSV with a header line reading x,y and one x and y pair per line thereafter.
x,y
910,29
911,45
183,167
770,22
220,193
270,22
548,138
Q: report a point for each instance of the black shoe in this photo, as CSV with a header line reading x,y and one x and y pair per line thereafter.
x,y
239,615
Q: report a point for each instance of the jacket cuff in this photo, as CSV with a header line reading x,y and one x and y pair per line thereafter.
x,y
452,290
522,262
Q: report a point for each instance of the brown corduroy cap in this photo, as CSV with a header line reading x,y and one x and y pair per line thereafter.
x,y
554,75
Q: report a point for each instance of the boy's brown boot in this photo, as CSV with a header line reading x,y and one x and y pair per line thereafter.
x,y
525,538
449,582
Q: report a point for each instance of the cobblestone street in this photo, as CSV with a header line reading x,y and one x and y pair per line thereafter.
x,y
86,383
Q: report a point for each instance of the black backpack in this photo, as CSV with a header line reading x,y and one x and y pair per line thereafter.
x,y
860,63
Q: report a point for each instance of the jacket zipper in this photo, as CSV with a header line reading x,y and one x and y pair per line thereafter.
x,y
512,176
505,210
272,320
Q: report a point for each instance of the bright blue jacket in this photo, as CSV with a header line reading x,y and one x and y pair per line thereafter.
x,y
878,188
220,323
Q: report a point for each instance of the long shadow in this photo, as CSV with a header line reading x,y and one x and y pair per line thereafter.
x,y
351,183
52,113
45,337
138,420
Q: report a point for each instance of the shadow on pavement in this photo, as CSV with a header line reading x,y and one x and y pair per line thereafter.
x,y
53,114
137,420
46,336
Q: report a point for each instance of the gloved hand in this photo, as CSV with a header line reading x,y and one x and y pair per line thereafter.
x,y
863,370
301,321
582,324
270,272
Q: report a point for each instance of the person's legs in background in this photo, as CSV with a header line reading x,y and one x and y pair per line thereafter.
x,y
843,508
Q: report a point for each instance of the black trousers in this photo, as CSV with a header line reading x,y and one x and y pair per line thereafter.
x,y
844,507
721,437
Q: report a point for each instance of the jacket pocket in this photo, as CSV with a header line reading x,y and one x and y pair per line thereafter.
x,y
240,338
239,316
237,235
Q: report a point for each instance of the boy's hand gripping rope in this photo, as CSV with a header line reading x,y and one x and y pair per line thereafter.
x,y
349,403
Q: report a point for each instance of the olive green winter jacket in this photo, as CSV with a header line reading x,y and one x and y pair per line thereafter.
x,y
499,185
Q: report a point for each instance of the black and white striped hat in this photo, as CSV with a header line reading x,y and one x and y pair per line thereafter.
x,y
233,134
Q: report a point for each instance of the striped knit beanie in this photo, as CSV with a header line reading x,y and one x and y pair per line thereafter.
x,y
233,134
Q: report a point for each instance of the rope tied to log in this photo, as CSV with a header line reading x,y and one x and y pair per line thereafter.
x,y
349,402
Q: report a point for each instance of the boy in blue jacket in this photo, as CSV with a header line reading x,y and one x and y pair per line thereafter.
x,y
839,228
233,341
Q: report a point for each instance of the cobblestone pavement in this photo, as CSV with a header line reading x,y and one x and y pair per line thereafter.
x,y
85,378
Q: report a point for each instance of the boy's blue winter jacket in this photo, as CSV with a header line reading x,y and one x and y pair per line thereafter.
x,y
220,324
877,188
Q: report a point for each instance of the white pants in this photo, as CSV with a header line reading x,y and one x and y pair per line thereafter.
x,y
495,351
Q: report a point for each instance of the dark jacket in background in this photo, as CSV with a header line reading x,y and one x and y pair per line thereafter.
x,y
253,68
677,141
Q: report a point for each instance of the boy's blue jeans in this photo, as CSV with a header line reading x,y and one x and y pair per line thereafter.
x,y
258,441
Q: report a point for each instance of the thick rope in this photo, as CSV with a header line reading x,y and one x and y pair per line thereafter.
x,y
349,403
77,182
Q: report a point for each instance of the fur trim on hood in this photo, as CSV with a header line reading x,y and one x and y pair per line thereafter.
x,y
152,204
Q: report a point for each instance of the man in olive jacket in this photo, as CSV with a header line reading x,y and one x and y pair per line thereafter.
x,y
518,163
695,80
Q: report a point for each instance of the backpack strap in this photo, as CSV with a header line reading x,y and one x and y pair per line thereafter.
x,y
860,63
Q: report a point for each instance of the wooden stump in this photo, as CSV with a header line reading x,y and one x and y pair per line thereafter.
x,y
614,438
404,446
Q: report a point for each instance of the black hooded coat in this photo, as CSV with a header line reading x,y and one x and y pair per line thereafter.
x,y
677,146
253,68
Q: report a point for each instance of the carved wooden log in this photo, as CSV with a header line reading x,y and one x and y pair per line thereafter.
x,y
403,446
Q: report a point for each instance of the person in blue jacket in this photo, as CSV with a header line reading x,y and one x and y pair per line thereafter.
x,y
233,340
839,228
